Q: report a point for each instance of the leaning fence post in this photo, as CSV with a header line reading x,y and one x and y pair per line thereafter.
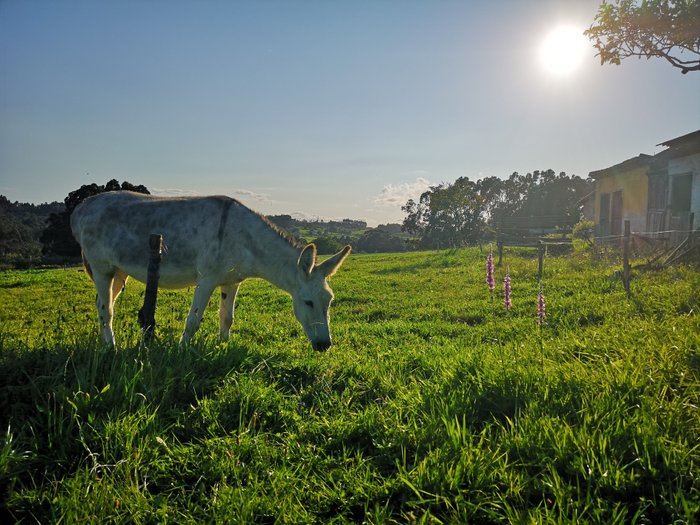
x,y
147,314
626,258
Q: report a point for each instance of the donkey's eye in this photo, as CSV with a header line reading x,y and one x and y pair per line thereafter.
x,y
310,304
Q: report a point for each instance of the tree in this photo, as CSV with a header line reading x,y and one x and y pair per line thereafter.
x,y
447,215
57,238
669,29
461,213
417,214
538,200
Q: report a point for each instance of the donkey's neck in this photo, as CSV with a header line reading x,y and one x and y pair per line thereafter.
x,y
275,258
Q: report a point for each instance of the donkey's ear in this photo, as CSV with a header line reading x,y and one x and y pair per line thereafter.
x,y
307,259
329,266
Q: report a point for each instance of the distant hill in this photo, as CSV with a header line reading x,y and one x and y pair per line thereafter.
x,y
331,236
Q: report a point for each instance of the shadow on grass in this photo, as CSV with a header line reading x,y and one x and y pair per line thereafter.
x,y
57,403
164,374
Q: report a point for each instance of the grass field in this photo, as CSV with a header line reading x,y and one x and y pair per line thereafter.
x,y
435,405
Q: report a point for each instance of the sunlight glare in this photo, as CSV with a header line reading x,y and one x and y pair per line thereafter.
x,y
562,50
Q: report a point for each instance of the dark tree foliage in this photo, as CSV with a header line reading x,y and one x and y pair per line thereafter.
x,y
15,237
668,29
57,239
21,225
451,215
328,245
377,240
461,213
283,221
538,201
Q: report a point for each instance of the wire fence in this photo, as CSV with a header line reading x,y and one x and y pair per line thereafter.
x,y
647,248
566,236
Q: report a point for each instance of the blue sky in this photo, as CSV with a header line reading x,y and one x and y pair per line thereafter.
x,y
323,108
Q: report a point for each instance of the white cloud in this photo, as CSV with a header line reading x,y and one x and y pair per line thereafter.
x,y
244,195
398,194
301,216
248,195
172,192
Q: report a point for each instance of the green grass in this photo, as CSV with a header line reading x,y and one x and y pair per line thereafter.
x,y
435,405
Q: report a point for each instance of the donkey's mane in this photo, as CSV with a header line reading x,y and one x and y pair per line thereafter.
x,y
284,234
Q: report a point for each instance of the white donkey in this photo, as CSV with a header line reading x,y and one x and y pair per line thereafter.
x,y
210,242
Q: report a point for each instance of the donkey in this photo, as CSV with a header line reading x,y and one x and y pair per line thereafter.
x,y
209,242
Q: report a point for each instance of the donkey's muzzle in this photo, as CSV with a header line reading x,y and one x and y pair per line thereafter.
x,y
321,346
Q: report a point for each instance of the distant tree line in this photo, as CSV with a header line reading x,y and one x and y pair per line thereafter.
x,y
291,224
331,236
21,225
31,234
462,213
447,215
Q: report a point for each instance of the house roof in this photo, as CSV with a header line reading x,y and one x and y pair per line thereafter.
x,y
689,138
639,161
684,145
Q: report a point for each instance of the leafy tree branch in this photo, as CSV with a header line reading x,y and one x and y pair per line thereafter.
x,y
668,29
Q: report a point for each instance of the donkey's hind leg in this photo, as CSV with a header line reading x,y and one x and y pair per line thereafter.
x,y
118,285
105,304
201,297
228,298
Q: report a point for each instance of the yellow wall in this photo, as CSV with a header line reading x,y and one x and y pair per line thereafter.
x,y
634,185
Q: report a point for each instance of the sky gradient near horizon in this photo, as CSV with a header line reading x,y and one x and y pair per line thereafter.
x,y
322,109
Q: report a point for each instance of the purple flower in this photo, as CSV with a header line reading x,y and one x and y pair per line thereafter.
x,y
506,291
540,307
490,279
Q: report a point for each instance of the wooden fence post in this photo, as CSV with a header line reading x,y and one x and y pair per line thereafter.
x,y
147,314
540,257
626,258
691,230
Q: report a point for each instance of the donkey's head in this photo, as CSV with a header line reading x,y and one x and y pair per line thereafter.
x,y
313,296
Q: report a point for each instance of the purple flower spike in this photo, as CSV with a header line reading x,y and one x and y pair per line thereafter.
x,y
506,291
540,307
490,279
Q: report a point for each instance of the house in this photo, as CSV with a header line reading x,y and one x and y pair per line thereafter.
x,y
674,185
621,193
656,193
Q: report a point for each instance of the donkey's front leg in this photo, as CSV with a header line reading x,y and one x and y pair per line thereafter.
x,y
201,298
228,298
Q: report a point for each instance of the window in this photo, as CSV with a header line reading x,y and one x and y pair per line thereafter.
x,y
657,192
616,214
681,186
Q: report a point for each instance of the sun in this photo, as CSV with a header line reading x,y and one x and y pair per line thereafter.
x,y
562,50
